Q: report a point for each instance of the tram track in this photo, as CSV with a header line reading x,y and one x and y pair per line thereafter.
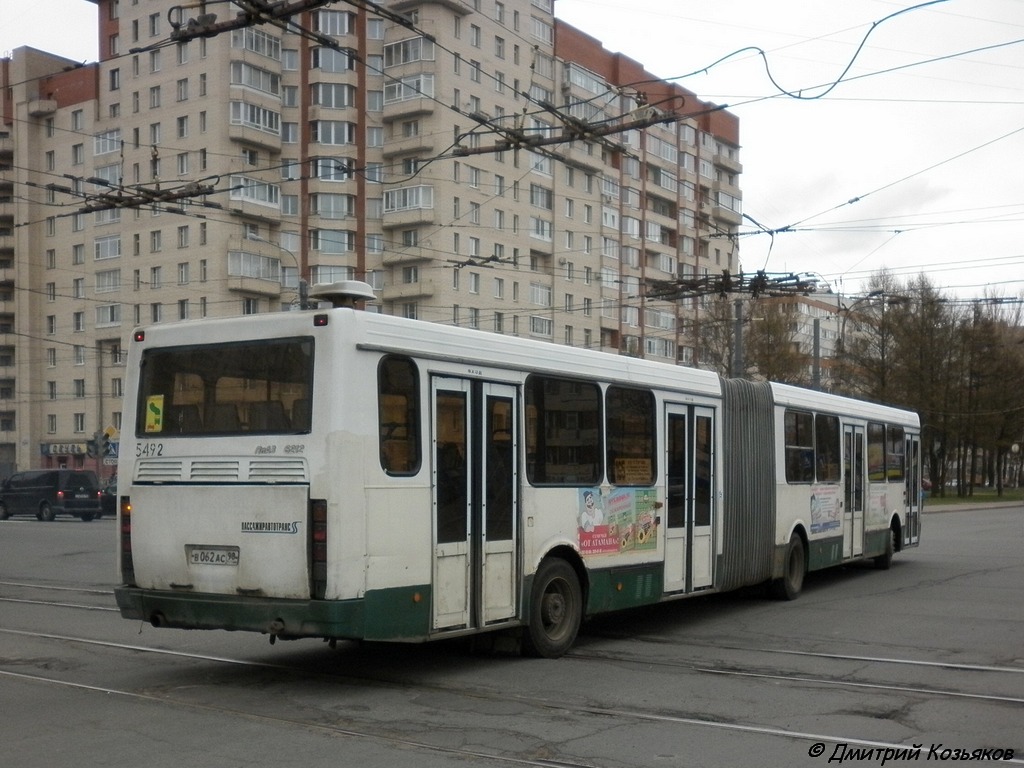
x,y
751,673
48,588
692,665
305,725
980,684
565,707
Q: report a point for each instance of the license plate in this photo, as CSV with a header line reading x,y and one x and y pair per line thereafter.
x,y
82,496
211,555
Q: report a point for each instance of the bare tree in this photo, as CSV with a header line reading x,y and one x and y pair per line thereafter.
x,y
771,345
717,336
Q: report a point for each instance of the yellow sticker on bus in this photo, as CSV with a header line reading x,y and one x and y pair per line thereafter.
x,y
155,413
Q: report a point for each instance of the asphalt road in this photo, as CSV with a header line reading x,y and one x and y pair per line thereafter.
x,y
930,653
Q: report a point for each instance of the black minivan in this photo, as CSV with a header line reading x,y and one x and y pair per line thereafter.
x,y
47,493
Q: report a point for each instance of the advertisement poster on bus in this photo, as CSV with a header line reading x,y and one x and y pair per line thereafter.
x,y
878,506
825,508
621,520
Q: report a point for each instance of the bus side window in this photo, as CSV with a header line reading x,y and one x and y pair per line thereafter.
x,y
630,434
895,454
826,448
398,415
563,431
799,436
876,452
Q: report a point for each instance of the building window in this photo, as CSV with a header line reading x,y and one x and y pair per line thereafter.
x,y
108,314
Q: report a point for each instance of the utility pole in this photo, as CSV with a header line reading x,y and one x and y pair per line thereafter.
x,y
816,367
738,357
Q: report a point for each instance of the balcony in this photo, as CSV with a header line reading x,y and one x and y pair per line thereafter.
x,y
409,108
410,255
730,164
247,134
409,218
42,107
409,145
254,285
727,214
405,291
253,267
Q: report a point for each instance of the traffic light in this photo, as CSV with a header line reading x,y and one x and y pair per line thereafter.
x,y
99,445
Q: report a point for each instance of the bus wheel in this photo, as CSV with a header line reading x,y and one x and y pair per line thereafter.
x,y
556,610
46,512
792,581
884,561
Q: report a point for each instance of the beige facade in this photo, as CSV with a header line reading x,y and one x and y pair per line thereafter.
x,y
387,155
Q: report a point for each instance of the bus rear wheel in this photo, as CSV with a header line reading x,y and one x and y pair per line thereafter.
x,y
884,561
556,610
793,570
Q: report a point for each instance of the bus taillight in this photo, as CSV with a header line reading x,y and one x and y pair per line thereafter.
x,y
127,564
318,546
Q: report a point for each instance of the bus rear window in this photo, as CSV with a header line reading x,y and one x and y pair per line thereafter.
x,y
251,387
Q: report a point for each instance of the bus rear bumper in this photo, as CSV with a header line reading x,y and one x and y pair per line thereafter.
x,y
281,618
286,619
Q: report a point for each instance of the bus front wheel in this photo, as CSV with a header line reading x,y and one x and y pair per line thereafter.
x,y
556,610
793,570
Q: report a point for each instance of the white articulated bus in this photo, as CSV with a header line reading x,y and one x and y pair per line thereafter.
x,y
341,474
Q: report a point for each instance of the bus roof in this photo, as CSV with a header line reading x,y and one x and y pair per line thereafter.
x,y
809,399
418,338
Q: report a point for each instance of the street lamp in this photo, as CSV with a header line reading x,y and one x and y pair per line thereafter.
x,y
841,343
303,285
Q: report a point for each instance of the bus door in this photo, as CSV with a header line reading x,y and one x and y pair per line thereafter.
x,y
912,529
476,566
689,497
854,468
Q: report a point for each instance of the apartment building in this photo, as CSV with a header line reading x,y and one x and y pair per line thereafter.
x,y
479,163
